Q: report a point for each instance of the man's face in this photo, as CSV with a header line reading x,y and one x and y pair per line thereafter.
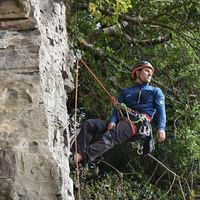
x,y
145,75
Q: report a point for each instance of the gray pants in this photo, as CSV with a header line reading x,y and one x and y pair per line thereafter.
x,y
96,130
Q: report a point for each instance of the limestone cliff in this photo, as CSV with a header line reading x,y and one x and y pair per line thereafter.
x,y
35,64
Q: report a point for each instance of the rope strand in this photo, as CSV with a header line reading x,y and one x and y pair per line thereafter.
x,y
96,79
75,141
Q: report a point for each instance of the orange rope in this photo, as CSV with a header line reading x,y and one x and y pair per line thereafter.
x,y
75,142
113,100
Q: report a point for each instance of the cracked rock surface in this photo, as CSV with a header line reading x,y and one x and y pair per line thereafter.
x,y
34,55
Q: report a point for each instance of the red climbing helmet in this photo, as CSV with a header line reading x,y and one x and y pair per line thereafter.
x,y
141,65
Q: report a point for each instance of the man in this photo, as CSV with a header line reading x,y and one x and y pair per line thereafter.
x,y
143,99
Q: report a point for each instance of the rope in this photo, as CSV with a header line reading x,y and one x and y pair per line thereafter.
x,y
122,106
75,141
99,82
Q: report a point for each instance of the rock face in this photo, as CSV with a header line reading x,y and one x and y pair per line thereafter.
x,y
35,64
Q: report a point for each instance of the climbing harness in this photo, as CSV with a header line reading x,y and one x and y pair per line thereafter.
x,y
143,120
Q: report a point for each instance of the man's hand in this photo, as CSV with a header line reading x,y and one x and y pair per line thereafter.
x,y
111,125
115,102
161,135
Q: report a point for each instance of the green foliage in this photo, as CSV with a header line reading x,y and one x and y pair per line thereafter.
x,y
112,187
118,7
177,73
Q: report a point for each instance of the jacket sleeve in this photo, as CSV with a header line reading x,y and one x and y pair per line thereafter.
x,y
115,115
159,103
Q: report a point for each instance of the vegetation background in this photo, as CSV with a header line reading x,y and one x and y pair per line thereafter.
x,y
111,36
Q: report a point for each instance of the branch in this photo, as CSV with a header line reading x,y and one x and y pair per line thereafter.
x,y
184,25
167,168
139,20
116,30
133,20
111,30
118,172
169,188
173,91
149,42
99,52
170,8
176,31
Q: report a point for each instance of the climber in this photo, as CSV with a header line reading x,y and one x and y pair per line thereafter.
x,y
144,101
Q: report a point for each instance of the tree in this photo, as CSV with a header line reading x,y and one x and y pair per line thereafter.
x,y
113,35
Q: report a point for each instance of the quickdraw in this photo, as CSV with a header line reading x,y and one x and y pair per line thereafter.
x,y
138,146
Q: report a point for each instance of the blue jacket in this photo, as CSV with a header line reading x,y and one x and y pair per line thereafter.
x,y
144,98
